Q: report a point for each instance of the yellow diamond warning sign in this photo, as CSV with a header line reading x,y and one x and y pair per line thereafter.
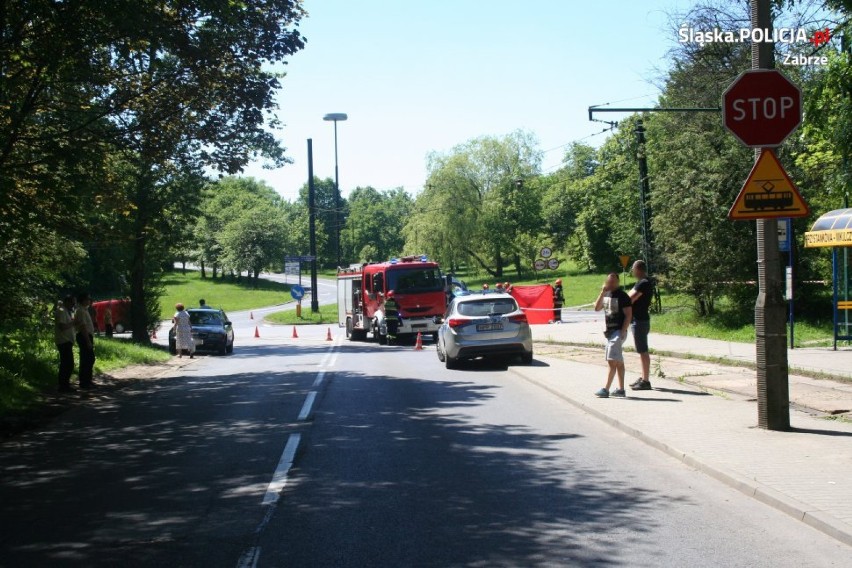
x,y
768,193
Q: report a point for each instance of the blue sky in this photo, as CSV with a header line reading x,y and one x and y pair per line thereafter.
x,y
421,76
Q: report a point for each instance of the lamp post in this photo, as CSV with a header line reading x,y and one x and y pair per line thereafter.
x,y
335,117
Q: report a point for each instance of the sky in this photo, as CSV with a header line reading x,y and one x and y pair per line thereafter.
x,y
416,77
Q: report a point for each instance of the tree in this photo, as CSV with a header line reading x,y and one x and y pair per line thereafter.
x,y
482,183
374,226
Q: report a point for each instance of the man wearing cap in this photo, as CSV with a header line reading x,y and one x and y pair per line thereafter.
x,y
558,301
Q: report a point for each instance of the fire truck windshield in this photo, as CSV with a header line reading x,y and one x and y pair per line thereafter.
x,y
413,280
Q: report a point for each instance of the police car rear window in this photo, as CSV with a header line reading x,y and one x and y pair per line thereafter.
x,y
479,308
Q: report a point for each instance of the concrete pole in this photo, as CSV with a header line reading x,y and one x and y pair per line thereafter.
x,y
312,227
770,314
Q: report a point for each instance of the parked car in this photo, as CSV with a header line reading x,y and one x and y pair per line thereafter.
x,y
120,315
211,330
483,325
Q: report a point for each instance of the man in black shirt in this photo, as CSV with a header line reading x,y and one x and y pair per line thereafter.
x,y
618,314
640,296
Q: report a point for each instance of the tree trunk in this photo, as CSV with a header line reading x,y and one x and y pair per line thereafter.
x,y
518,267
214,270
203,273
484,266
183,266
138,312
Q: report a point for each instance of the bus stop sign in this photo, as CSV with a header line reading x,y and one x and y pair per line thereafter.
x,y
762,107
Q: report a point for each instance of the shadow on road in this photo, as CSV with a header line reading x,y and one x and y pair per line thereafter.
x,y
398,473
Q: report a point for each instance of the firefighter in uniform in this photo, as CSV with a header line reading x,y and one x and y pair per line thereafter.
x,y
558,301
392,315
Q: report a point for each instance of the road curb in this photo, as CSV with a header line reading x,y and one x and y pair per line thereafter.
x,y
800,511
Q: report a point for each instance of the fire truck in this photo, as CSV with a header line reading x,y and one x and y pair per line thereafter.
x,y
419,291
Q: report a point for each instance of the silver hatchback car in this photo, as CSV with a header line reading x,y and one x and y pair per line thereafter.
x,y
483,325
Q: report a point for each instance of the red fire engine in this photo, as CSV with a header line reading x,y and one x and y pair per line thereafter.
x,y
362,289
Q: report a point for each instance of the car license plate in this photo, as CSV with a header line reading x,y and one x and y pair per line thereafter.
x,y
489,327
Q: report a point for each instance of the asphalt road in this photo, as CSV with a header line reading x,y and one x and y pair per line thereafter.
x,y
397,462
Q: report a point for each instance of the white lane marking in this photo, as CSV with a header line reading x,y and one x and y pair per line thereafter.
x,y
325,359
279,478
306,408
333,360
249,558
318,380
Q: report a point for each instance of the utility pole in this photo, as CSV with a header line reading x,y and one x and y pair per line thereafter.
x,y
770,314
312,227
644,206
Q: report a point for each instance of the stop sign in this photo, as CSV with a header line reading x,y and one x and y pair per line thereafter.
x,y
762,107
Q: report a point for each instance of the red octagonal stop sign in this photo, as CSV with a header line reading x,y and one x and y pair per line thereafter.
x,y
762,107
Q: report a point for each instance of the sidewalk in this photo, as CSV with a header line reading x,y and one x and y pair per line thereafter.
x,y
804,473
819,395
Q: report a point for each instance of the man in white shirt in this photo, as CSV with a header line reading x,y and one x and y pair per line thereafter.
x,y
63,331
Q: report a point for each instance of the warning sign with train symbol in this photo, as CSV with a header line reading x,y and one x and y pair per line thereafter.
x,y
768,193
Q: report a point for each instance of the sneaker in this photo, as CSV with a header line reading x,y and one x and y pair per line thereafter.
x,y
619,393
641,386
603,393
637,382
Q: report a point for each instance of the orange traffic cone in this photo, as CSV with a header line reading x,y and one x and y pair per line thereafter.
x,y
295,333
418,345
256,332
328,335
251,315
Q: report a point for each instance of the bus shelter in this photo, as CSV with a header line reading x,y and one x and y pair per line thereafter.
x,y
834,230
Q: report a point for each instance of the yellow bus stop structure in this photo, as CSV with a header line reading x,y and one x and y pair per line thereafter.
x,y
834,230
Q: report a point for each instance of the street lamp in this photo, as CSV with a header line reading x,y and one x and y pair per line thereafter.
x,y
335,117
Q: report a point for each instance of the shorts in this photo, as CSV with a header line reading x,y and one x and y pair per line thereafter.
x,y
640,330
613,346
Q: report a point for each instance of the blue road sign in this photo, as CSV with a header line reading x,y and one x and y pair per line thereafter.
x,y
785,234
297,292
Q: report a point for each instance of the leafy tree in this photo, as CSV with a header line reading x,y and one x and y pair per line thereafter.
x,y
375,223
480,183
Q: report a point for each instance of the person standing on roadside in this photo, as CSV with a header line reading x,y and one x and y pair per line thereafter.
x,y
558,301
85,340
63,324
202,303
183,332
618,314
640,296
108,319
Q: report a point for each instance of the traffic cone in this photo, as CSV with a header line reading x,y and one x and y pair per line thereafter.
x,y
256,332
295,333
418,345
251,315
328,335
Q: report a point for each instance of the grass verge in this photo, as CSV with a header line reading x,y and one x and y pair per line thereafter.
x,y
220,293
28,367
326,314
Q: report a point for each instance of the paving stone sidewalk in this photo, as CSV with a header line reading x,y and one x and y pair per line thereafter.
x,y
804,472
817,394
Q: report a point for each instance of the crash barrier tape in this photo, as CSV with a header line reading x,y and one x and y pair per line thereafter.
x,y
552,309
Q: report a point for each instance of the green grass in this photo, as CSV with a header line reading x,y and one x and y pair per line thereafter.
x,y
28,366
220,293
679,316
579,287
326,314
728,325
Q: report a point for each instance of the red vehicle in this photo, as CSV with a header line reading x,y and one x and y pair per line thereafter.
x,y
418,288
120,315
